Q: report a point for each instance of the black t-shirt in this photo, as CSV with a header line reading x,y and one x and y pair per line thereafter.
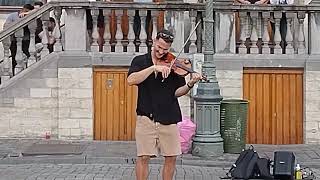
x,y
156,97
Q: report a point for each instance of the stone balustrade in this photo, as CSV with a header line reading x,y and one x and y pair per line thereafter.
x,y
117,27
99,27
267,29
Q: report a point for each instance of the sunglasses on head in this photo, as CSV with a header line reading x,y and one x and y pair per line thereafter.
x,y
165,36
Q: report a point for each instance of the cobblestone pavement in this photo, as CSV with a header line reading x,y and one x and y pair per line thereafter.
x,y
101,172
115,160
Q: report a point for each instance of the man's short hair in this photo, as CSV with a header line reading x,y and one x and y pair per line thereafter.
x,y
38,3
166,35
51,19
28,7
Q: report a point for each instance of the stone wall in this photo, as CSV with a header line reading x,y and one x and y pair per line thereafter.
x,y
29,102
312,101
75,103
47,100
312,109
230,83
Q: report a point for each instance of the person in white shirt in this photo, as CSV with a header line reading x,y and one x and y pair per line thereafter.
x,y
51,38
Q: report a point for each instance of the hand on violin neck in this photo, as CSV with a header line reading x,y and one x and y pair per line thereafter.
x,y
195,78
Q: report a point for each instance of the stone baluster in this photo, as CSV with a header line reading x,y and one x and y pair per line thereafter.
x,y
277,36
143,35
119,34
57,31
131,36
154,15
255,32
19,56
265,36
259,28
106,34
301,37
95,33
193,38
45,34
243,32
125,29
289,37
7,63
32,48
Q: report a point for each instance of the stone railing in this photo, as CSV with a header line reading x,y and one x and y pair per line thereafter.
x,y
17,30
100,27
130,27
112,27
267,29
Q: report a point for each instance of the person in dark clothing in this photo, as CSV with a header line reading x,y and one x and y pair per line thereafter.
x,y
39,29
13,17
51,38
158,110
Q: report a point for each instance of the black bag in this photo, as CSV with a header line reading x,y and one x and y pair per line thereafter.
x,y
263,169
245,166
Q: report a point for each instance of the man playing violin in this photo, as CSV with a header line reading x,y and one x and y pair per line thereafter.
x,y
158,110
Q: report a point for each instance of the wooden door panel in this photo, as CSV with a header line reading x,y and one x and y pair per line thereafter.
x,y
275,114
266,130
114,105
97,103
299,109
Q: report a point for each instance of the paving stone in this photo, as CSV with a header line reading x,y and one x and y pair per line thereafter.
x,y
116,160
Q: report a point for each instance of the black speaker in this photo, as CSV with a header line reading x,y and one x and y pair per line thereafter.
x,y
283,165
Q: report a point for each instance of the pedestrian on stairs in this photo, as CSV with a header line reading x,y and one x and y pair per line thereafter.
x,y
13,17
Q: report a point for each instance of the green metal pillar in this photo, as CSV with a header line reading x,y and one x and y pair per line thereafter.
x,y
207,141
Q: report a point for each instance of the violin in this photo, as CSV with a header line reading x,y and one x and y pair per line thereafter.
x,y
181,67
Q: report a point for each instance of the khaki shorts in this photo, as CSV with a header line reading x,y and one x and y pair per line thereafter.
x,y
153,138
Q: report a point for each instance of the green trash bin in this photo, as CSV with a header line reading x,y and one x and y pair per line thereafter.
x,y
233,124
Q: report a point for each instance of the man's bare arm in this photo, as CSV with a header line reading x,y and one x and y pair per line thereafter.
x,y
183,90
138,77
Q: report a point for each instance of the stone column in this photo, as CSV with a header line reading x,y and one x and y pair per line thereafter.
x,y
7,62
314,32
207,141
76,22
225,32
32,47
57,31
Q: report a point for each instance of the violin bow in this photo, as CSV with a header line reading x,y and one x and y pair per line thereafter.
x,y
185,43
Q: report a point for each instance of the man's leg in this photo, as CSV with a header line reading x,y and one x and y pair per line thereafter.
x,y
25,47
13,49
170,148
169,167
146,145
142,167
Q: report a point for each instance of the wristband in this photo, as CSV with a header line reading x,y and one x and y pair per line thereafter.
x,y
189,86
